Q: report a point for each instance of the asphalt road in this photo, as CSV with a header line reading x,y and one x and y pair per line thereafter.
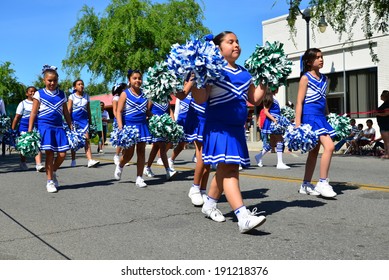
x,y
94,217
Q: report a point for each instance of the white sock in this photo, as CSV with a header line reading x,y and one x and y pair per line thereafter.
x,y
279,152
138,178
241,212
210,202
196,186
203,191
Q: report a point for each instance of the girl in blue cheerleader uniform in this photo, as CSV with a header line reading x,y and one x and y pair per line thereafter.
x,y
311,108
194,129
22,117
116,91
49,107
159,144
132,111
272,111
79,109
184,99
224,132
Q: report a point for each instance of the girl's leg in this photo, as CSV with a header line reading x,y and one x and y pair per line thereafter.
x,y
59,160
227,180
153,153
177,150
280,150
49,164
326,157
162,154
227,176
73,154
23,165
88,151
116,157
140,163
127,155
52,182
311,163
195,192
38,161
265,149
323,187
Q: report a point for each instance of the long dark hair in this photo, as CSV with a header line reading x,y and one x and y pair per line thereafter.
x,y
268,99
307,59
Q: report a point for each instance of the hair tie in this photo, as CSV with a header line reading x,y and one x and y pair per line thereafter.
x,y
47,67
129,72
116,86
208,37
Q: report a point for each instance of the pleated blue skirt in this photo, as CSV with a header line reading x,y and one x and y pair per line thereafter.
x,y
144,133
319,125
225,143
53,138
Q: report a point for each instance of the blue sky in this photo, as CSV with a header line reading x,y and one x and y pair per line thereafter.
x,y
36,32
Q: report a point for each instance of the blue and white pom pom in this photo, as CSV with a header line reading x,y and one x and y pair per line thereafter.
x,y
125,138
201,58
76,138
269,65
114,136
341,125
5,123
160,83
281,126
301,138
29,143
288,113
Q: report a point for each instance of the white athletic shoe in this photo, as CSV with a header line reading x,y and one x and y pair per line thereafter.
x,y
170,174
40,167
258,158
308,189
249,222
118,172
260,164
50,187
282,166
159,161
147,172
213,213
325,189
93,162
140,183
196,197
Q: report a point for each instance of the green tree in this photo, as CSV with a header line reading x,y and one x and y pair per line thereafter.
x,y
96,89
342,15
130,34
11,90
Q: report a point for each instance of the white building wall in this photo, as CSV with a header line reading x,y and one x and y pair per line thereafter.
x,y
339,53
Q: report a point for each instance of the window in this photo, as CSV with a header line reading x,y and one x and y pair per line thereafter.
x,y
362,92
